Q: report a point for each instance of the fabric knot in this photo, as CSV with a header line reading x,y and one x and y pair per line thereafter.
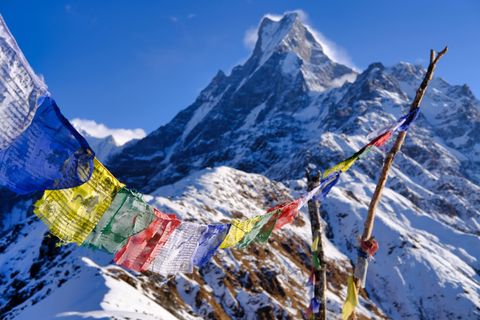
x,y
369,246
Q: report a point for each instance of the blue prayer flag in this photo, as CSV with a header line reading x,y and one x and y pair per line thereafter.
x,y
209,243
49,154
315,304
329,184
409,118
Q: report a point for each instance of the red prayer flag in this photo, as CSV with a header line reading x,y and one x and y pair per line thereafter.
x,y
288,213
141,248
381,139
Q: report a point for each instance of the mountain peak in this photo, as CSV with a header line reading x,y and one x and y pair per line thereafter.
x,y
288,42
286,33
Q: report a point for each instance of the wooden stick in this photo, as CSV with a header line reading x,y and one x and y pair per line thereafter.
x,y
320,285
368,226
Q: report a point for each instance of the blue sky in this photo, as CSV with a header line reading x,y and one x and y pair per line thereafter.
x,y
136,64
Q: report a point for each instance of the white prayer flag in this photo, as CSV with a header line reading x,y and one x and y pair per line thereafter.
x,y
176,256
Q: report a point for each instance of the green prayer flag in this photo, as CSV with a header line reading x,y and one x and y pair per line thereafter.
x,y
128,215
267,229
316,262
252,235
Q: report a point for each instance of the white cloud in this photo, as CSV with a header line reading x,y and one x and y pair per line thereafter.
x,y
173,19
251,37
99,130
331,49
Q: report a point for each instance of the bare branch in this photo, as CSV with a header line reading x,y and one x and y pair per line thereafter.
x,y
368,226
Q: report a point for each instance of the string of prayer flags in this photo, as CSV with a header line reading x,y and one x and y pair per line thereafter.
x,y
177,254
238,230
141,248
84,203
401,124
50,154
20,89
380,139
209,243
128,214
71,214
351,300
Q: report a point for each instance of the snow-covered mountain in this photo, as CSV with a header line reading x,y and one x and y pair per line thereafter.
x,y
240,148
104,140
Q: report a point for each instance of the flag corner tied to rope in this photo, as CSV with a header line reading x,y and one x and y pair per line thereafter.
x,y
351,301
49,155
71,214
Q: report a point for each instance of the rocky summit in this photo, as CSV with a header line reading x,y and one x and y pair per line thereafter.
x,y
242,147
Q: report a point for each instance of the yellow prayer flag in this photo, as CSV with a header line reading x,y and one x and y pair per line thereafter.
x,y
238,230
71,214
351,301
342,166
315,243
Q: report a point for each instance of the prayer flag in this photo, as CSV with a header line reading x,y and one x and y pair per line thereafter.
x,y
315,305
209,243
20,89
315,243
177,253
250,236
238,230
315,261
128,214
288,213
381,140
268,228
347,163
71,214
141,248
329,183
408,119
351,300
50,154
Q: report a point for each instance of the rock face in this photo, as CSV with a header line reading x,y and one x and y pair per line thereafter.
x,y
240,148
243,119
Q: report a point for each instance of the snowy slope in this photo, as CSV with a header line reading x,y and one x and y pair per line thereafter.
x,y
266,280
